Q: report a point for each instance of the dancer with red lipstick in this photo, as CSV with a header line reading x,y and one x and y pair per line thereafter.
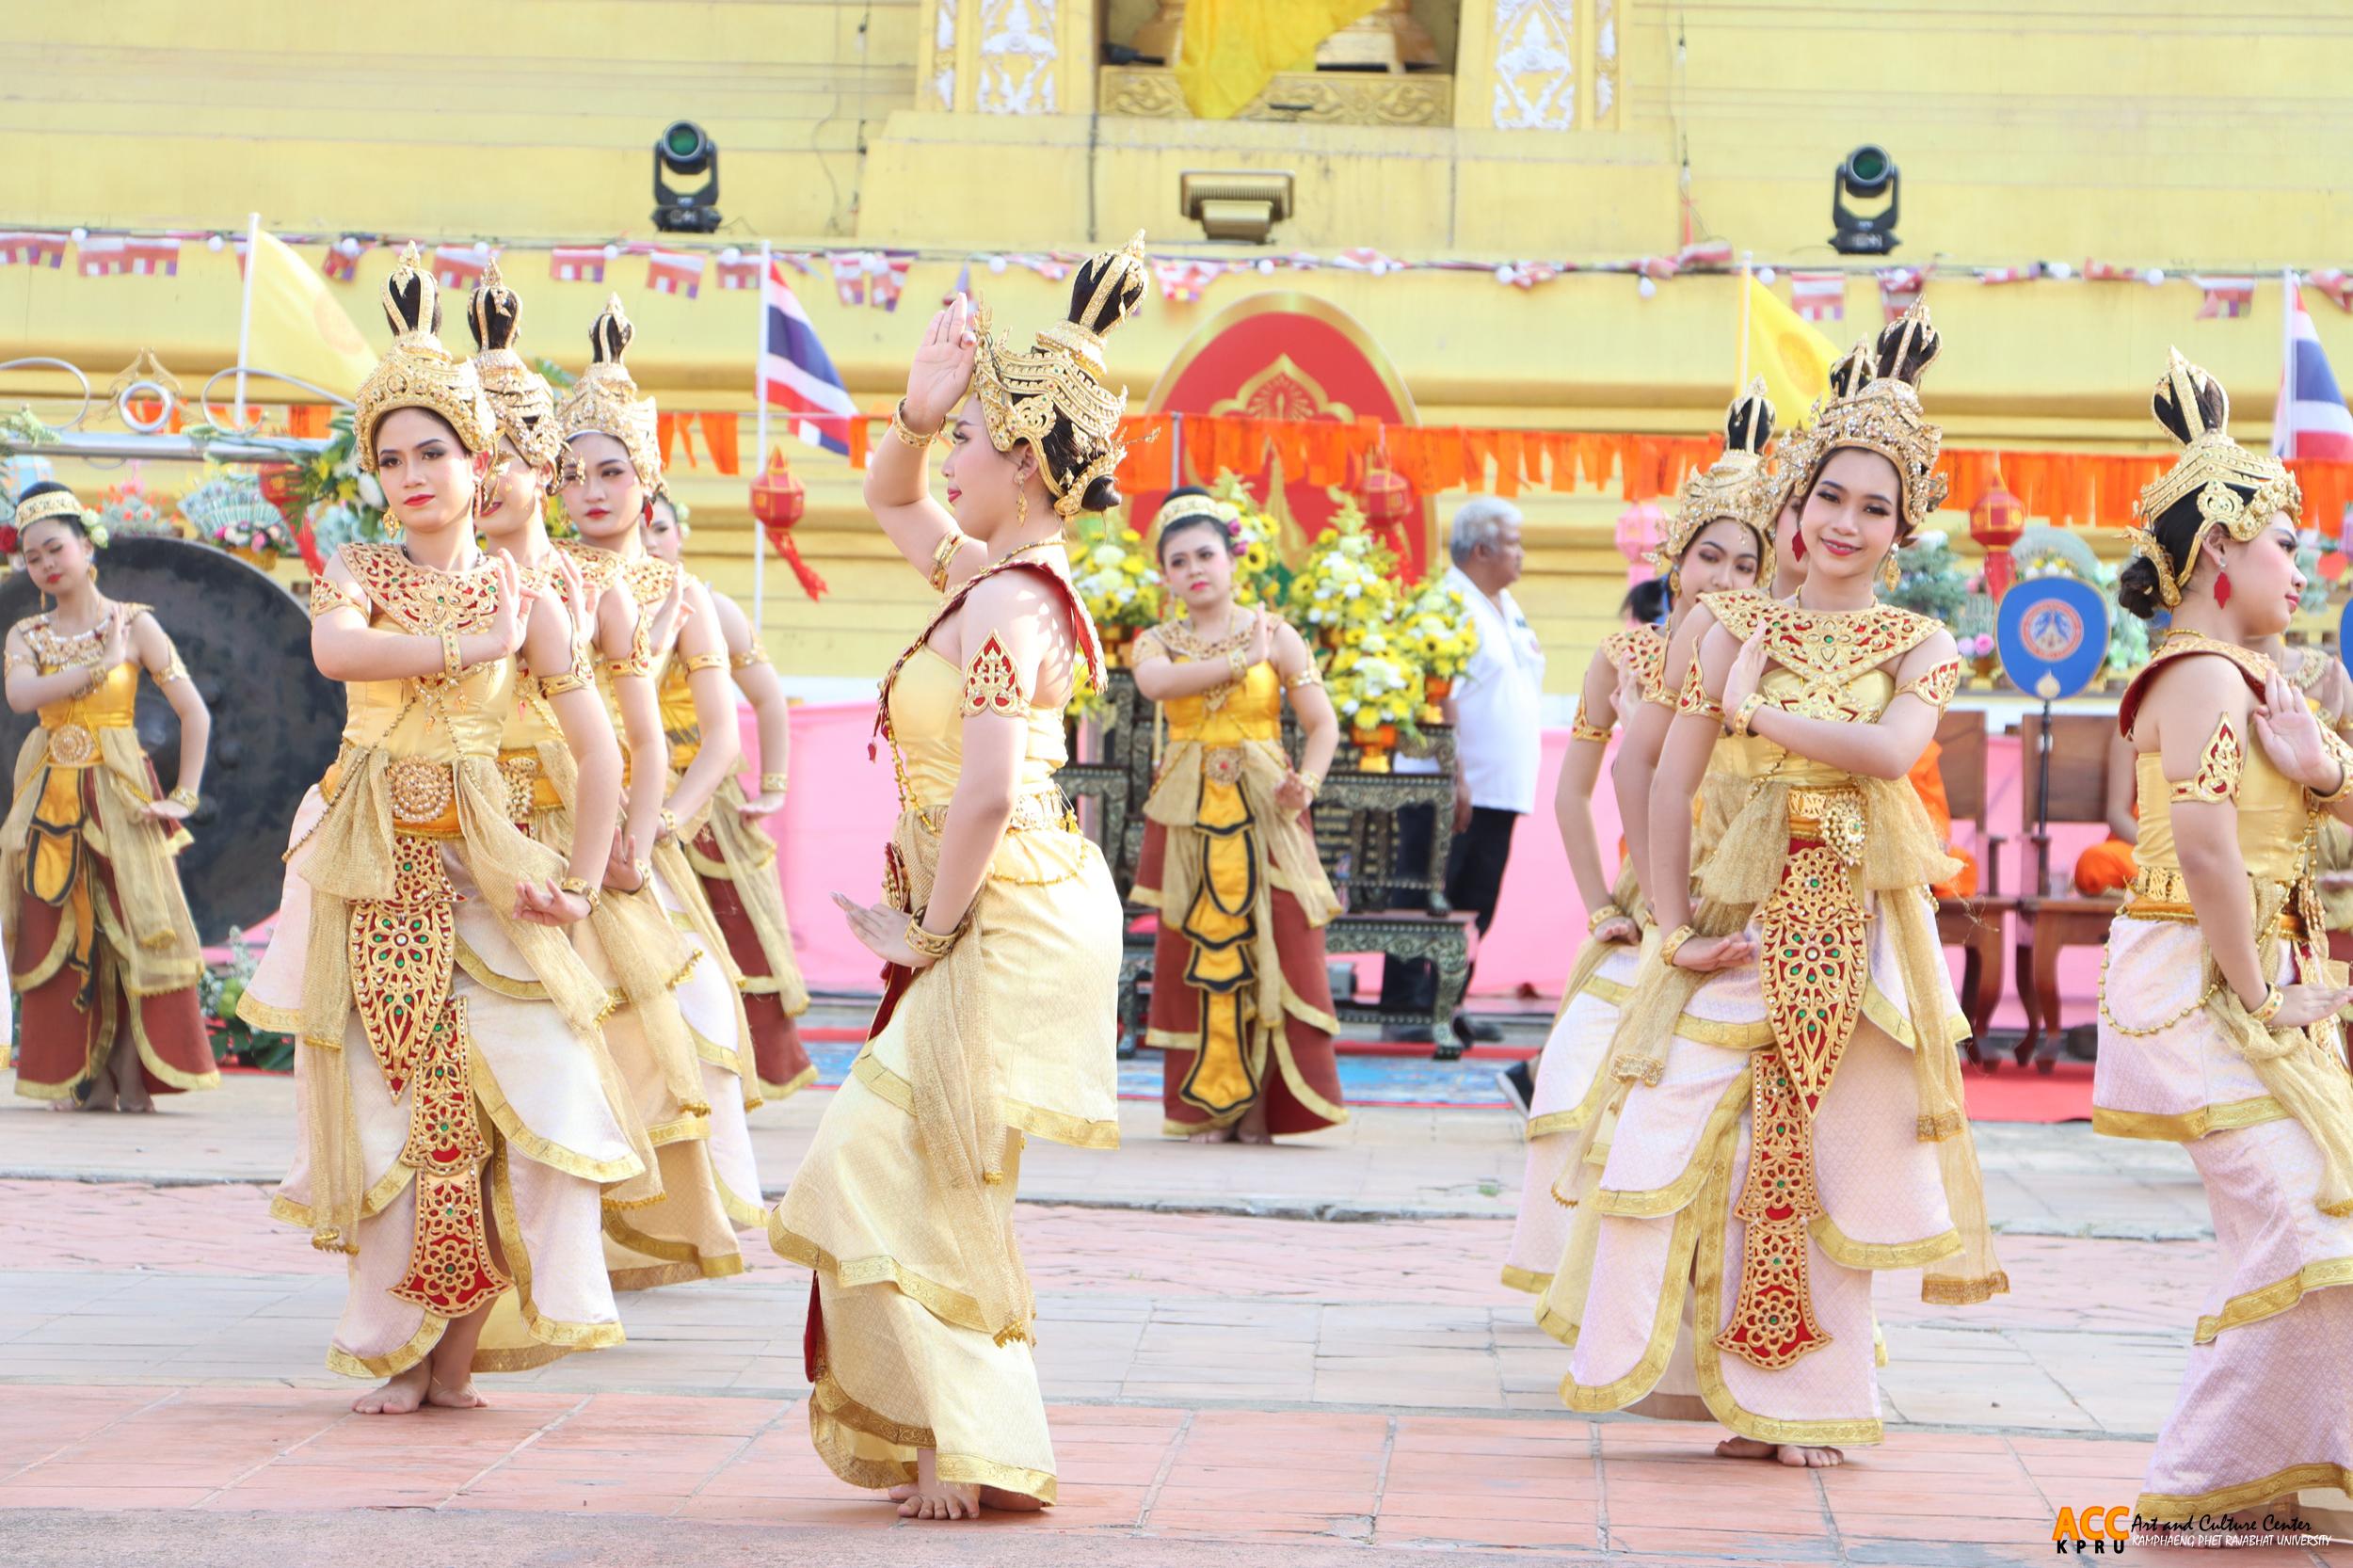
x,y
694,1109
1787,1095
998,927
2218,1008
102,949
727,848
1241,1008
463,1123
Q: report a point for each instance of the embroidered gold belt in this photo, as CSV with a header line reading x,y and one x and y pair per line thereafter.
x,y
74,744
2159,893
424,796
1040,808
528,788
1833,816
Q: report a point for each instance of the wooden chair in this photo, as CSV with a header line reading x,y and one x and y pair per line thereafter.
x,y
1973,924
2052,917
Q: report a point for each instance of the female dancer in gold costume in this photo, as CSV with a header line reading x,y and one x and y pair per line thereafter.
x,y
694,1108
727,848
999,926
2218,1010
1716,540
102,951
462,1120
1242,1007
628,939
1789,1116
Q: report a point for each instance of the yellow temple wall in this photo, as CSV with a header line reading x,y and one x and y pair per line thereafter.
x,y
2183,138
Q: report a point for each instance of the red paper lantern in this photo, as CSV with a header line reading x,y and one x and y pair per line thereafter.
x,y
277,483
778,501
1995,522
1388,501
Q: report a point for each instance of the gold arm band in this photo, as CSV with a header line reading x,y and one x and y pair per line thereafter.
x,y
772,783
705,661
1308,676
943,556
1739,722
184,797
758,655
173,671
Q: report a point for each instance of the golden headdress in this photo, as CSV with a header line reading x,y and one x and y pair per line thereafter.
x,y
2192,406
1060,378
524,401
605,400
1874,403
1736,485
418,373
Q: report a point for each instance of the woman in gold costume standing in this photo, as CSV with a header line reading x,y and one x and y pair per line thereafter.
x,y
102,949
463,1123
693,1108
628,939
727,848
2217,1012
999,928
1241,1008
1789,1113
1718,538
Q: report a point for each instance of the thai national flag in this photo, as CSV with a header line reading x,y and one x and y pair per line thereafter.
x,y
2311,419
795,371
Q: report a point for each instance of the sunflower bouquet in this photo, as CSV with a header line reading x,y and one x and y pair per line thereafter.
x,y
1440,636
1346,597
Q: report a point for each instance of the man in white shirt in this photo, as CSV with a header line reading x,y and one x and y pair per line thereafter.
x,y
1498,742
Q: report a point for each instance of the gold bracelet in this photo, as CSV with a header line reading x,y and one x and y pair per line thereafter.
x,y
586,888
772,783
906,432
1235,662
1313,781
930,944
184,797
452,662
1746,714
645,873
2267,1009
1673,944
669,824
1603,915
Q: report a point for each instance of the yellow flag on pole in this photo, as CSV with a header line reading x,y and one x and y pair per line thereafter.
x,y
298,327
1231,49
1784,348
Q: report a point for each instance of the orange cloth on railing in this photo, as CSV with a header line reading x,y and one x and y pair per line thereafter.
x,y
1927,782
2107,867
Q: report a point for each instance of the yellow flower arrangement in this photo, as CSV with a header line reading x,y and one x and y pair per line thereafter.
x,y
1115,580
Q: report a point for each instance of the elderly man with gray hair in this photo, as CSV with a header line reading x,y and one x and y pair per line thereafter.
x,y
1498,742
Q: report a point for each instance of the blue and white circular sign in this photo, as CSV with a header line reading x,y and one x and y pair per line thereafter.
x,y
2052,633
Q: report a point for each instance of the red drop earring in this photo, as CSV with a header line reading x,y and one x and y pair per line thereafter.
x,y
2222,590
1797,547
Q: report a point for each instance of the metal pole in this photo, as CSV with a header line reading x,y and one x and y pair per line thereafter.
x,y
245,312
760,447
2042,802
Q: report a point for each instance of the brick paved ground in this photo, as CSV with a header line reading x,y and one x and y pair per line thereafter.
x,y
1227,1387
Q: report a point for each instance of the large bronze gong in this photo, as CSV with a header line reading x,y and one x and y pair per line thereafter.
x,y
247,643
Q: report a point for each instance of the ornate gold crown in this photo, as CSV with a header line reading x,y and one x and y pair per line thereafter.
x,y
418,373
1736,485
1021,395
1874,403
605,400
50,504
524,401
2214,467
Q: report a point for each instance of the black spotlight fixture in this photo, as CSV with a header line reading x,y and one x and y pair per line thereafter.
x,y
683,152
1868,176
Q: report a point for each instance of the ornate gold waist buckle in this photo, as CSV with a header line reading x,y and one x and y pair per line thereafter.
x,y
1833,816
71,745
424,796
1222,764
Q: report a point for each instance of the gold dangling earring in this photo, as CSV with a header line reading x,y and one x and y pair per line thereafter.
x,y
1675,583
1020,505
485,493
1890,573
93,574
